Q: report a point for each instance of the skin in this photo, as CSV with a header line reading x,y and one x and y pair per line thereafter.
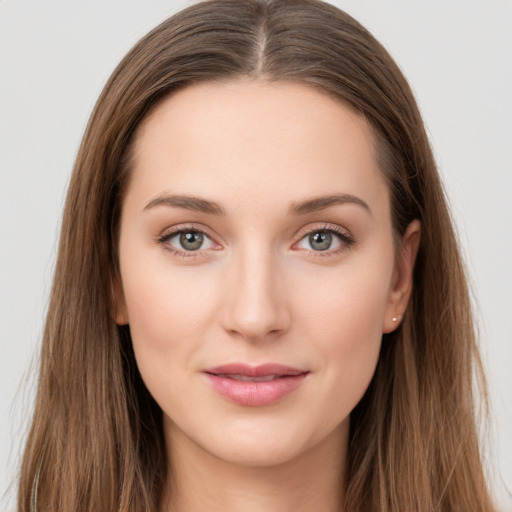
x,y
258,291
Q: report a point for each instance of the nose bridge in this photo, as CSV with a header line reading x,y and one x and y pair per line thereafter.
x,y
256,308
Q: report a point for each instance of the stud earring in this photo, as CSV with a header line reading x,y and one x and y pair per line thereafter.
x,y
394,319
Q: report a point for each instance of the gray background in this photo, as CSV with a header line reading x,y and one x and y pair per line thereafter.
x,y
55,56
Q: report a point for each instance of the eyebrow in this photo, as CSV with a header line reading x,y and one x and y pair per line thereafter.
x,y
210,207
323,202
188,203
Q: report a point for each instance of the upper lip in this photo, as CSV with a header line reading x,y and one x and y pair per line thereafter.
x,y
254,371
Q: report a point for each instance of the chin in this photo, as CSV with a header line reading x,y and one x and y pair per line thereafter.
x,y
260,443
258,452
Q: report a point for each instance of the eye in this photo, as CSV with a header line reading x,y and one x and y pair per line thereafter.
x,y
325,239
187,240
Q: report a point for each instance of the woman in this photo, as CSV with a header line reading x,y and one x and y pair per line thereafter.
x,y
258,303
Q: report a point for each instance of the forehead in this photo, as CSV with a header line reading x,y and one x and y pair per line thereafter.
x,y
240,137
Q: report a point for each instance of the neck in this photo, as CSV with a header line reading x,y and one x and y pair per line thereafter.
x,y
312,481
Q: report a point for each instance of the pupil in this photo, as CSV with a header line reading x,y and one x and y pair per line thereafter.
x,y
320,241
191,241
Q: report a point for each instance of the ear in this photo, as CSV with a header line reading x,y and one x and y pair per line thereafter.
x,y
401,285
120,309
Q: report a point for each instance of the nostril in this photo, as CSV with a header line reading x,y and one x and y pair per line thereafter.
x,y
255,334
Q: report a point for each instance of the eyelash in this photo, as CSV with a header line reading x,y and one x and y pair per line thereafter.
x,y
346,240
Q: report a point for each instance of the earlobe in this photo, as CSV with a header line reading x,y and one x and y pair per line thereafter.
x,y
120,312
401,287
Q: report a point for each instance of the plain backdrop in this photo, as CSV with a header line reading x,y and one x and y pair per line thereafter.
x,y
55,57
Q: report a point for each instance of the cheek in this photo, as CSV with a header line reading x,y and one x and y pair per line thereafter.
x,y
345,316
348,302
167,310
167,324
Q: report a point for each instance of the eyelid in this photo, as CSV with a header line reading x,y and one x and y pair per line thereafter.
x,y
323,226
188,226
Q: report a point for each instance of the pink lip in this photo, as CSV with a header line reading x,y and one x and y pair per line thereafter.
x,y
255,393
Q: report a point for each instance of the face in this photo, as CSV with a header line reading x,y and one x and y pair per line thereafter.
x,y
256,233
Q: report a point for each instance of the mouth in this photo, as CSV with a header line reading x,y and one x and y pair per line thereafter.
x,y
255,385
247,378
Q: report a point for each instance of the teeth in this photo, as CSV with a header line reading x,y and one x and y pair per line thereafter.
x,y
246,378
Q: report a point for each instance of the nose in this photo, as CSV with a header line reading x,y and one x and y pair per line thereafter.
x,y
255,307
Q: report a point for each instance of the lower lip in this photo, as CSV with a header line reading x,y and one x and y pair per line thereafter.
x,y
253,393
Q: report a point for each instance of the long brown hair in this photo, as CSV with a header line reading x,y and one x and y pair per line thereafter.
x,y
96,441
